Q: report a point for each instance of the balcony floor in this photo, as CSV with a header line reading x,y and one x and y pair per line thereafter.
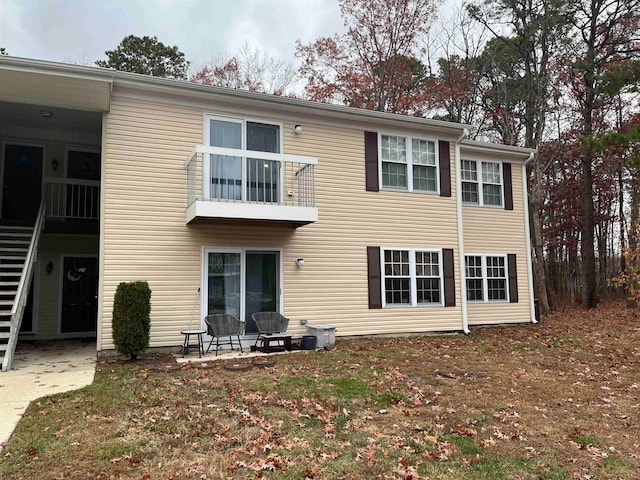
x,y
295,215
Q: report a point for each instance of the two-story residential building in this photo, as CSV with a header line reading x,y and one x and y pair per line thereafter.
x,y
375,223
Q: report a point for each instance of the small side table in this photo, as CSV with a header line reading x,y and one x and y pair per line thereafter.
x,y
187,339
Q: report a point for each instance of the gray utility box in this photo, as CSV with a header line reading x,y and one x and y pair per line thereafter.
x,y
326,334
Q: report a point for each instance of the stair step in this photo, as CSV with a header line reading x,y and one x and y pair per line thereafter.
x,y
5,323
4,293
11,274
14,249
3,348
6,302
14,234
14,227
5,313
13,241
5,334
9,284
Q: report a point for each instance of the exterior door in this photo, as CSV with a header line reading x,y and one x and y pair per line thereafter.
x,y
241,282
22,183
79,295
262,286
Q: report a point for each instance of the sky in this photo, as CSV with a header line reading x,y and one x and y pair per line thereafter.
x,y
80,31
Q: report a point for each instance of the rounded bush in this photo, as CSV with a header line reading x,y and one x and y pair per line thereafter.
x,y
131,318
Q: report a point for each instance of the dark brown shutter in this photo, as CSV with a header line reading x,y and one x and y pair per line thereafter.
x,y
508,186
445,168
513,278
449,278
371,161
373,274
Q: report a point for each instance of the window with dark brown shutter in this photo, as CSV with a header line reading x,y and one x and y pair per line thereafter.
x,y
374,277
371,161
445,168
449,278
513,278
508,186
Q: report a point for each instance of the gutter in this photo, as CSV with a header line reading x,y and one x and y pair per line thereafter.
x,y
528,237
461,260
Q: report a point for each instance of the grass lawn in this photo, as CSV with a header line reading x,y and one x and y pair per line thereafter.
x,y
559,400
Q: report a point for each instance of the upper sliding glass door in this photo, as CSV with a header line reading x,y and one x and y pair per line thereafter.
x,y
226,171
260,178
263,176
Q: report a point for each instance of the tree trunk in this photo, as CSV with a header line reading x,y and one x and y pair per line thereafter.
x,y
621,218
538,251
589,288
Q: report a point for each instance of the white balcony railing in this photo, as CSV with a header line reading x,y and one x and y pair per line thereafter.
x,y
72,198
231,183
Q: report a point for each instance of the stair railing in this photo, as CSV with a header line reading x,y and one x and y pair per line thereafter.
x,y
22,292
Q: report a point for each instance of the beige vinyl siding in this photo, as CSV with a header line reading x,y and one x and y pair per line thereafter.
x,y
145,236
491,230
51,249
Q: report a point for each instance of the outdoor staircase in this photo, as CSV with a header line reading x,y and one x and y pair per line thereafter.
x,y
18,251
14,247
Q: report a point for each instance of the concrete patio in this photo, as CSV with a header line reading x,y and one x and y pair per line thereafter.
x,y
41,369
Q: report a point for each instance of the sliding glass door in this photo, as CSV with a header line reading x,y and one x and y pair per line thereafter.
x,y
236,178
263,176
262,280
241,282
224,283
226,171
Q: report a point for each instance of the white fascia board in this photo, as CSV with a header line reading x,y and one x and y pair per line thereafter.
x,y
521,153
251,211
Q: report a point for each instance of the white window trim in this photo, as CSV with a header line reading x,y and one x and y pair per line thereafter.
x,y
485,277
480,183
409,162
206,187
412,278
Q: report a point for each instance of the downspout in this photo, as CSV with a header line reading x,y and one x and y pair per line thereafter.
x,y
528,235
461,261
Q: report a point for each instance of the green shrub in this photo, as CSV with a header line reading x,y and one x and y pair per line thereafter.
x,y
131,318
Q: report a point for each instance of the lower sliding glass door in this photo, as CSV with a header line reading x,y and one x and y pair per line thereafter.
x,y
241,282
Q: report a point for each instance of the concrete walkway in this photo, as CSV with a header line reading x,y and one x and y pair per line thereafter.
x,y
41,369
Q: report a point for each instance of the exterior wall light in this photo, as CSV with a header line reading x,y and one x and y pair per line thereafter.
x,y
49,268
299,262
297,129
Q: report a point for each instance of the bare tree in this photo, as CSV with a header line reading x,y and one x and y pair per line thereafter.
x,y
251,69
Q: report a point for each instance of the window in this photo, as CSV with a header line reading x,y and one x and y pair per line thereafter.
x,y
481,182
409,163
486,278
475,287
412,277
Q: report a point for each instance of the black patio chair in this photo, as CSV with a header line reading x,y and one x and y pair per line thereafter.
x,y
270,324
222,325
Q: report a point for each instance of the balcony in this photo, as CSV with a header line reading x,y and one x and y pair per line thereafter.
x,y
72,205
250,185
